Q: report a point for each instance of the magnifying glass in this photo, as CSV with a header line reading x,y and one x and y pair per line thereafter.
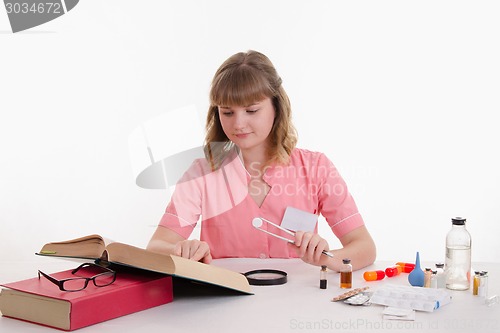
x,y
266,277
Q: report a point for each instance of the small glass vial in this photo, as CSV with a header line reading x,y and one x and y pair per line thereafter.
x,y
441,277
482,290
322,278
434,281
427,278
475,283
346,274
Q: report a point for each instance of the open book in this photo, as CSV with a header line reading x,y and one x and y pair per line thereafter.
x,y
93,247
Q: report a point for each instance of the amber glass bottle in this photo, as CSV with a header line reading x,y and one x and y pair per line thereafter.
x,y
346,274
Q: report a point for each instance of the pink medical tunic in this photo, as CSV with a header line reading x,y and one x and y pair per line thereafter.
x,y
221,201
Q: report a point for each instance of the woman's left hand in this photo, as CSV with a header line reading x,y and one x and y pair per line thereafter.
x,y
309,246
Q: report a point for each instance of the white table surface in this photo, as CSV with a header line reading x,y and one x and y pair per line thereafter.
x,y
297,306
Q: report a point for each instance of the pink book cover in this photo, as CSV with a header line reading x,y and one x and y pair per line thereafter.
x,y
129,293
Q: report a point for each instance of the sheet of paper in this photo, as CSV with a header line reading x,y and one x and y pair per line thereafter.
x,y
296,219
392,313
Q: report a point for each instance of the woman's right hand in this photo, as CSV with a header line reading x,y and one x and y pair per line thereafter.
x,y
193,249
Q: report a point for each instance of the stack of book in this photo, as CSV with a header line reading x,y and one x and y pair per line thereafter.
x,y
143,280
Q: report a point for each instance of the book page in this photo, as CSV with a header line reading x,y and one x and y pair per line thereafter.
x,y
177,266
198,271
40,309
140,258
89,247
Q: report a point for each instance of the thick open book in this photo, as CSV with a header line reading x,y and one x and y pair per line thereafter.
x,y
94,247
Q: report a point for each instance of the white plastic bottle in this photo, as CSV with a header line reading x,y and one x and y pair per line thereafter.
x,y
458,256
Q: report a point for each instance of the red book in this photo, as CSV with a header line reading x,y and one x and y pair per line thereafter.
x,y
40,301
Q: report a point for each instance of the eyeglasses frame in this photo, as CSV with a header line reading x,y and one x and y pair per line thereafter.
x,y
60,283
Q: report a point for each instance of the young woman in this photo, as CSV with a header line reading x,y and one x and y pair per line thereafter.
x,y
253,169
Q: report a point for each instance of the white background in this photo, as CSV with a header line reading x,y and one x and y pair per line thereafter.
x,y
401,95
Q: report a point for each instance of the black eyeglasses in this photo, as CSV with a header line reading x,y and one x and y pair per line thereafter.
x,y
79,283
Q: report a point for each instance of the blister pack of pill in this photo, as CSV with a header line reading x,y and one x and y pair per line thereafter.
x,y
348,294
408,297
363,298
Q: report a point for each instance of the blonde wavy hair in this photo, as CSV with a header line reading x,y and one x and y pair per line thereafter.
x,y
243,79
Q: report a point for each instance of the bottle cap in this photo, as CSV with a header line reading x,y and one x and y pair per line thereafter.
x,y
458,221
346,261
439,265
323,267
